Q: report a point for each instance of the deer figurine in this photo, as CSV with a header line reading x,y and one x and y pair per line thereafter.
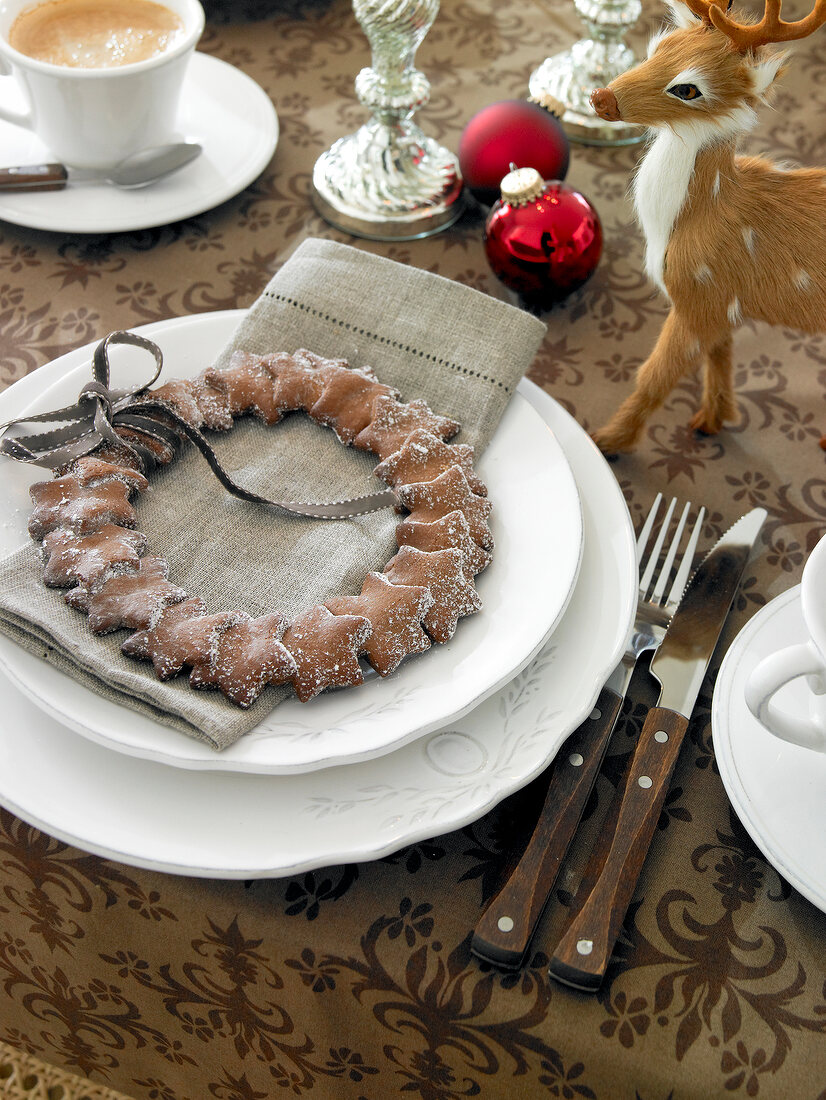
x,y
727,237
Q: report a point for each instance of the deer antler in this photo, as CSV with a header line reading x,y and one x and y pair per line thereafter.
x,y
771,28
701,8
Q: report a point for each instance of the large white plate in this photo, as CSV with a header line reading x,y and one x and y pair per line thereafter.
x,y
537,523
221,107
249,826
776,789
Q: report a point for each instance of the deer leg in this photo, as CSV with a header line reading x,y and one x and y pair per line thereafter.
x,y
675,353
718,391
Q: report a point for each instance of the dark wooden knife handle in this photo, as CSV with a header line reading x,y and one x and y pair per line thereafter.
x,y
34,177
582,955
504,932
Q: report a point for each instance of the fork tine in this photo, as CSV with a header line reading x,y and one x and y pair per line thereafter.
x,y
681,579
646,529
658,545
665,570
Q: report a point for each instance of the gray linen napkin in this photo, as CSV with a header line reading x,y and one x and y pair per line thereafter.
x,y
462,351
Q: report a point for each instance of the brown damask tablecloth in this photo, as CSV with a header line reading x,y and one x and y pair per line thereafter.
x,y
356,981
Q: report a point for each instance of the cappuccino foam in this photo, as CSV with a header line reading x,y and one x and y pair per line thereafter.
x,y
94,34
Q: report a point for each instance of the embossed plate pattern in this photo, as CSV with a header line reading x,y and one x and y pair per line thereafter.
x,y
524,592
250,826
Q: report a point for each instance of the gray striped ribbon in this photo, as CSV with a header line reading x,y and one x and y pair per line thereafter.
x,y
92,419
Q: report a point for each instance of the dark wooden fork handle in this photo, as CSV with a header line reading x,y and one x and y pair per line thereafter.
x,y
582,955
504,932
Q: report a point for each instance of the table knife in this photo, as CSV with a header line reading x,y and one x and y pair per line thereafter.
x,y
679,666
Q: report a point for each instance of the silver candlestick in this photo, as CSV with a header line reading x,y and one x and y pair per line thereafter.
x,y
591,63
388,181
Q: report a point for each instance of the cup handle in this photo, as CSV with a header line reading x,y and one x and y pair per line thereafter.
x,y
23,118
769,676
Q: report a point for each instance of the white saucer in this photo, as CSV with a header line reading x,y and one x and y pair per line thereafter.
x,y
222,108
776,789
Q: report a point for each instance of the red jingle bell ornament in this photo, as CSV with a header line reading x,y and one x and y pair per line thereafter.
x,y
513,131
543,239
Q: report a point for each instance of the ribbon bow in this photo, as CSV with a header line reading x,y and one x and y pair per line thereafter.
x,y
99,409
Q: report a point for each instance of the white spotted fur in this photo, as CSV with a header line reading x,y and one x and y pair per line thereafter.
x,y
664,176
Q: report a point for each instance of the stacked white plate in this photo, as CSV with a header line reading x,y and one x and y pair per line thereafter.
x,y
357,774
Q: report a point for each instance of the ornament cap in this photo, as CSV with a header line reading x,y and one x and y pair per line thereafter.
x,y
521,186
550,103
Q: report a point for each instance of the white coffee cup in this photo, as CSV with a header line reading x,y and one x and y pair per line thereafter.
x,y
805,726
95,118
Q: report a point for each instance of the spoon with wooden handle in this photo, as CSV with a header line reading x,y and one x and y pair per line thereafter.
x,y
139,170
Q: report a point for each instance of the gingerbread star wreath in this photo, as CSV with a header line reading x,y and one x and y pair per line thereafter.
x,y
85,522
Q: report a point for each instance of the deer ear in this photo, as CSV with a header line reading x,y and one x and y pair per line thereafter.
x,y
681,15
765,71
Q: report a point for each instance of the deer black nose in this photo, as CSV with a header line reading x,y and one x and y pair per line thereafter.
x,y
605,105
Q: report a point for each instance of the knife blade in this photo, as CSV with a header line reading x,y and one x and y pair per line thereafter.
x,y
582,955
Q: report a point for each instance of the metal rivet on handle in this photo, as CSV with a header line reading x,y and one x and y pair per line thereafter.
x,y
645,781
505,924
595,714
585,947
661,736
576,759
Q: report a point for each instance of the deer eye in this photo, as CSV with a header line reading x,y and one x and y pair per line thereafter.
x,y
685,91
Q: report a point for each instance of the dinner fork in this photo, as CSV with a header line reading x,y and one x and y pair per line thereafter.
x,y
504,932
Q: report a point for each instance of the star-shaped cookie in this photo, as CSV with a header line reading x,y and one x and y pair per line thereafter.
x,y
84,559
213,403
248,656
442,572
449,492
118,454
276,361
423,456
395,612
346,401
452,530
326,648
92,470
392,422
181,635
300,383
66,502
160,452
248,385
127,600
180,395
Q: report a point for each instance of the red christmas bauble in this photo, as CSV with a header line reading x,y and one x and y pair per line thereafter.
x,y
512,131
543,239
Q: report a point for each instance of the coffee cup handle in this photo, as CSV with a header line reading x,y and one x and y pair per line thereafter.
x,y
769,676
18,118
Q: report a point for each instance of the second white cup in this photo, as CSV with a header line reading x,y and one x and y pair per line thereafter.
x,y
805,726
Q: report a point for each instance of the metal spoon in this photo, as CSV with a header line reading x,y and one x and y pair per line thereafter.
x,y
139,170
